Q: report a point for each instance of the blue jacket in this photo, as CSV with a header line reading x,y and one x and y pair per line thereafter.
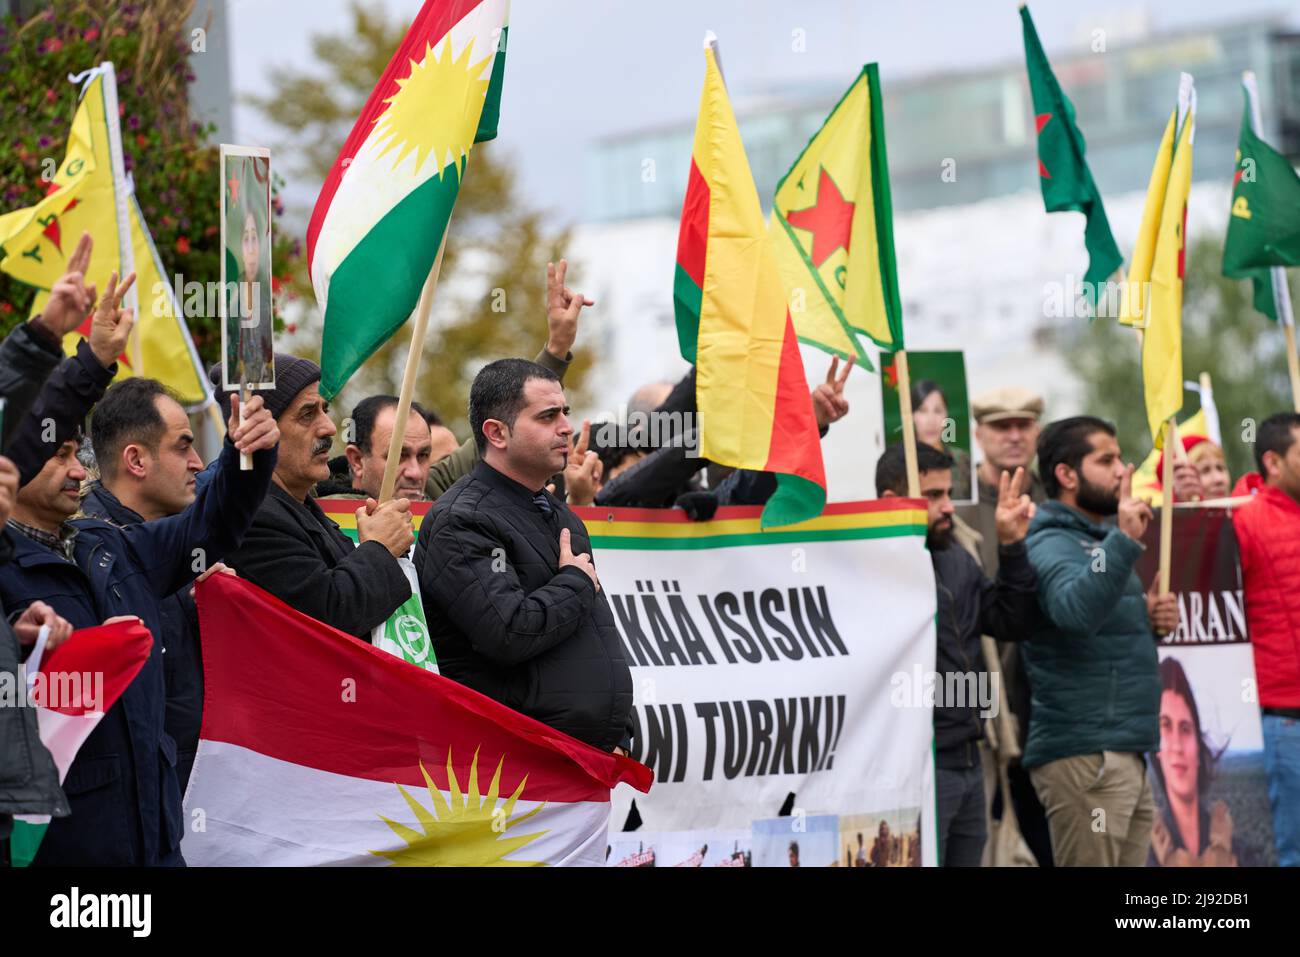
x,y
122,787
1092,664
182,654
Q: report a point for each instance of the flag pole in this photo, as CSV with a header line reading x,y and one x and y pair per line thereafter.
x,y
1167,504
1293,365
408,377
909,427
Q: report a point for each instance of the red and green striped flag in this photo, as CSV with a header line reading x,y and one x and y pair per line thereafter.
x,y
382,212
733,322
1062,170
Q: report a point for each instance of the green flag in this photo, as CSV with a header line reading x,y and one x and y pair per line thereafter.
x,y
1264,228
1062,170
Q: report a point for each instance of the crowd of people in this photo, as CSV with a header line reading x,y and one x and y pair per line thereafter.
x,y
511,591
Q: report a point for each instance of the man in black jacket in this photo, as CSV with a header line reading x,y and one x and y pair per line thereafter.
x,y
509,587
29,780
293,550
969,605
144,449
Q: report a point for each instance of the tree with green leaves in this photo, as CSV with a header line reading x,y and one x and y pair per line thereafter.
x,y
491,298
1243,352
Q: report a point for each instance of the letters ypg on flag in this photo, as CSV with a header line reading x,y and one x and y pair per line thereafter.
x,y
382,212
832,228
1264,225
733,322
1062,169
84,196
332,751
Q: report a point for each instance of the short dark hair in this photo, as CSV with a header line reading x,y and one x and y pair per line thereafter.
x,y
921,390
891,467
1276,434
432,418
364,414
128,413
498,393
1067,442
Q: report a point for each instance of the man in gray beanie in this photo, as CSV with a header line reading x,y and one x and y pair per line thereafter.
x,y
293,550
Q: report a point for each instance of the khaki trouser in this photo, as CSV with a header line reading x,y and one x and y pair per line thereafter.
x,y
1099,809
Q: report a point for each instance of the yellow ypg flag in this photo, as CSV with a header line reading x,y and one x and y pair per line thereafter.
x,y
1162,343
1133,306
91,198
832,229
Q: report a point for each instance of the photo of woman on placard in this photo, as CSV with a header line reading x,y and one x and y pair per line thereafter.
x,y
247,328
930,417
1191,829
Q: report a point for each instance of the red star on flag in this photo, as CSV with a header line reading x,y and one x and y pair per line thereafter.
x,y
830,220
1041,121
233,183
891,374
83,330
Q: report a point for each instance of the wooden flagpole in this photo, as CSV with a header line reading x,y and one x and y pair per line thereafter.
x,y
418,326
1293,364
1167,504
909,427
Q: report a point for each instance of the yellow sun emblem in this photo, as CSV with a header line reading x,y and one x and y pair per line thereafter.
x,y
468,832
436,108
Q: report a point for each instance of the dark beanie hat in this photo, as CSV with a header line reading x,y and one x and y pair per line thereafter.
x,y
292,375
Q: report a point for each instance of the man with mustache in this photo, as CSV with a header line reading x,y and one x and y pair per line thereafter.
x,y
366,453
293,550
510,591
968,605
122,787
1092,664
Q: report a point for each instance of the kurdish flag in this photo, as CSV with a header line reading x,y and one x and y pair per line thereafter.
x,y
1162,343
331,751
90,193
733,322
72,688
832,228
1062,170
1264,228
384,208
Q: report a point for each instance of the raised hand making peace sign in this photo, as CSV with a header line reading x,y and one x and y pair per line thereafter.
x,y
562,308
828,400
111,326
1015,508
71,300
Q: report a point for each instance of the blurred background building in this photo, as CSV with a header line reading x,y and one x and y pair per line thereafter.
x,y
981,266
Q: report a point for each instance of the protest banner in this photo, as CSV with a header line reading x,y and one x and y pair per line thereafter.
x,y
797,660
1208,780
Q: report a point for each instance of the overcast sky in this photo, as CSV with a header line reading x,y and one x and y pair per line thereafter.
x,y
578,70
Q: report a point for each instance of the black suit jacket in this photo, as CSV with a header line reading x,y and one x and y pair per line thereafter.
x,y
301,557
507,621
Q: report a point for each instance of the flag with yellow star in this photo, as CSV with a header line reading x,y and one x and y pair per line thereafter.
x,y
385,204
334,752
832,226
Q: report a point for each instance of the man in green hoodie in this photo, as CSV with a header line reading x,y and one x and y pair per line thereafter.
x,y
1092,664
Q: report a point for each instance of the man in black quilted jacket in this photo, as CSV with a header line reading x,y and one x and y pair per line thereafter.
x,y
509,587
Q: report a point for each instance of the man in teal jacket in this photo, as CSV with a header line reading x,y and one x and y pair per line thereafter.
x,y
1092,664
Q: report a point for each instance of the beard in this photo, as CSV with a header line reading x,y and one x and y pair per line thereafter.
x,y
939,538
1095,499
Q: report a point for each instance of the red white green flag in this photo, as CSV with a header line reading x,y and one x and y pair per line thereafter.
x,y
72,688
330,751
382,212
